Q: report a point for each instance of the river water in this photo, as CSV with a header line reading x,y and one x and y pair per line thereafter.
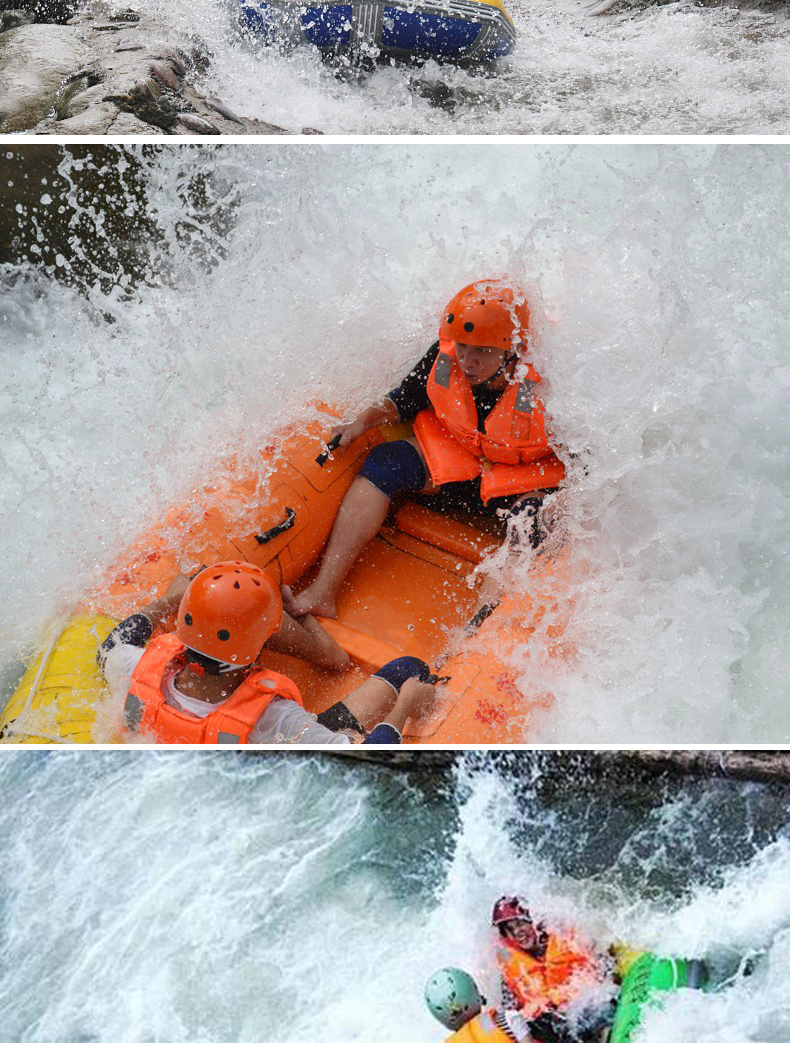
x,y
658,68
224,898
272,275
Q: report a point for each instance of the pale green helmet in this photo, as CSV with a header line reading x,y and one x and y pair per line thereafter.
x,y
453,997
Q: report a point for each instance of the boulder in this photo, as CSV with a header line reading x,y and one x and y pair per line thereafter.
x,y
35,61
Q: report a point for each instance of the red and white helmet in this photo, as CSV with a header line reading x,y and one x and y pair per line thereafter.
x,y
510,908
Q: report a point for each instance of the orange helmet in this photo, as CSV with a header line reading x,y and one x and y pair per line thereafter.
x,y
490,313
229,611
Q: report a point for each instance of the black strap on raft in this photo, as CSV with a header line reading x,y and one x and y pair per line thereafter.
x,y
434,679
283,526
333,444
480,617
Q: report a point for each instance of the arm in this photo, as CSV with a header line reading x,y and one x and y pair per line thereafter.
x,y
380,413
403,403
307,639
163,610
136,630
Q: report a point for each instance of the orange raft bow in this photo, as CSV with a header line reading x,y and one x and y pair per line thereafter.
x,y
512,454
146,710
566,970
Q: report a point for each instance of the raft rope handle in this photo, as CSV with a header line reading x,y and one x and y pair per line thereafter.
x,y
282,526
327,453
57,634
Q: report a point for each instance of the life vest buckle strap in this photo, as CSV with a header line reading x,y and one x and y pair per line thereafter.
x,y
133,710
443,370
525,399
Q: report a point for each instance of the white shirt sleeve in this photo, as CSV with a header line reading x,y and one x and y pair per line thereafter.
x,y
285,721
119,665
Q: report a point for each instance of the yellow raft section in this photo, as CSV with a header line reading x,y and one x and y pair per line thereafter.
x,y
61,694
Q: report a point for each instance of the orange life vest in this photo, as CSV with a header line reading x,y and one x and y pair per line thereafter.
x,y
232,721
512,454
481,1029
565,972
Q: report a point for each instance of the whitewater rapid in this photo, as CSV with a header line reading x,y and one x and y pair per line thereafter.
x,y
225,898
677,68
658,276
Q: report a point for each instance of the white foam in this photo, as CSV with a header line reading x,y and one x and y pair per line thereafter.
x,y
658,276
665,69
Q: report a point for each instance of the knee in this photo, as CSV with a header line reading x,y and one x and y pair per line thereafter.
x,y
395,467
397,671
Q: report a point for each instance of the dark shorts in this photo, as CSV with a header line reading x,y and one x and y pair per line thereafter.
x,y
338,718
397,467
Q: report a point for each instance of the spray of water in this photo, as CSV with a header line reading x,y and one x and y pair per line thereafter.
x,y
658,277
167,898
652,68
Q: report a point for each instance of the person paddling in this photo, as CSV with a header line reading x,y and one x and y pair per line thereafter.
x,y
545,974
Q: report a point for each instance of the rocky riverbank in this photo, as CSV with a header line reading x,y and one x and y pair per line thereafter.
x,y
98,70
745,765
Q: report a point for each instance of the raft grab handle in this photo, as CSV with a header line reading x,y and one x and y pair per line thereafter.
x,y
282,526
332,444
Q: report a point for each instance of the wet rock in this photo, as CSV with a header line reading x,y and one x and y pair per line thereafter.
x,y
34,62
12,19
65,100
166,74
221,110
146,101
124,16
121,73
196,125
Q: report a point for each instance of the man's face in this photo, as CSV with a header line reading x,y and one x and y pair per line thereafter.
x,y
478,364
522,932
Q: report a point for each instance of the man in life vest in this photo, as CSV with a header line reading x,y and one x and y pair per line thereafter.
x,y
555,981
201,684
480,442
454,999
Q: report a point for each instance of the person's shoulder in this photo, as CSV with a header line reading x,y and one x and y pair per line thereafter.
x,y
119,665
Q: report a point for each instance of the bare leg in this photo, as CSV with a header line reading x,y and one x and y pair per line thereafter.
x,y
371,702
359,519
307,639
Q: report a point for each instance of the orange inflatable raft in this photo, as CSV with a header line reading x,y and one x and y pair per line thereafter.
x,y
409,593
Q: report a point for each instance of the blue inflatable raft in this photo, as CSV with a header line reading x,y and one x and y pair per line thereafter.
x,y
453,30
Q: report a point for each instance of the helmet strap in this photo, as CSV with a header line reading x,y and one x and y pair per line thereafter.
x,y
202,664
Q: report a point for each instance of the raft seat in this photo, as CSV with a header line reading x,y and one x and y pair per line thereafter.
x,y
448,533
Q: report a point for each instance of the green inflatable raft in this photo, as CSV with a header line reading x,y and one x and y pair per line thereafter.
x,y
645,986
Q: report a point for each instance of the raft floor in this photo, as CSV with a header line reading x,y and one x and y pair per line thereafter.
x,y
405,594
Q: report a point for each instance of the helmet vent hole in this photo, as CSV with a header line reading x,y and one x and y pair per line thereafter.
x,y
188,619
450,318
255,581
469,326
218,577
223,635
237,585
